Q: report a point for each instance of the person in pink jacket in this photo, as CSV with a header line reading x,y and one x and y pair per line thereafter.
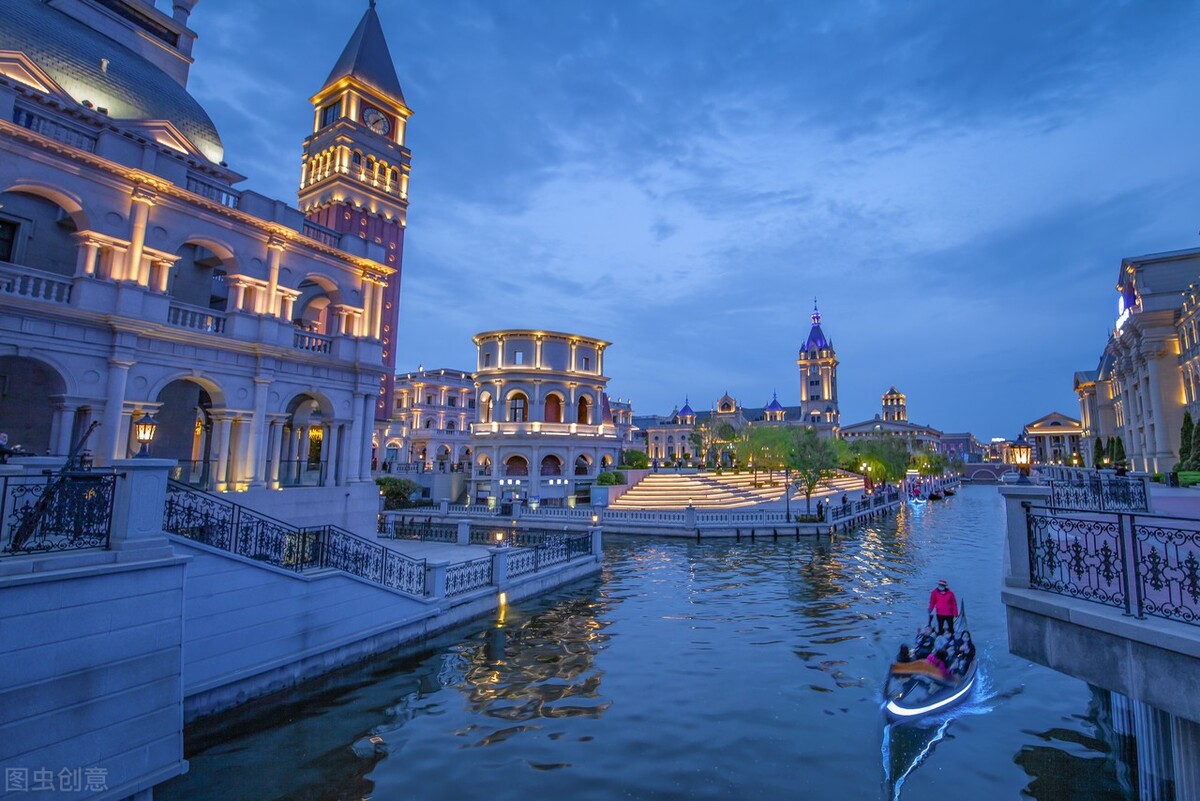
x,y
945,605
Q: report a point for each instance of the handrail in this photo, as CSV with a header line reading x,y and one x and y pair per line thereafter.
x,y
221,523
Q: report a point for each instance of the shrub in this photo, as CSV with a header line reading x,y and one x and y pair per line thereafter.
x,y
606,479
397,492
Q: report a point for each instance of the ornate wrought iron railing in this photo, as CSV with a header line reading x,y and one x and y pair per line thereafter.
x,y
1102,492
217,522
465,577
1077,556
55,512
426,530
1142,564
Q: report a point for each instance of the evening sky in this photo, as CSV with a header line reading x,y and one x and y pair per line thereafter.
x,y
956,182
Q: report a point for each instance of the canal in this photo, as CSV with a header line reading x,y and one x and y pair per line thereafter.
x,y
712,670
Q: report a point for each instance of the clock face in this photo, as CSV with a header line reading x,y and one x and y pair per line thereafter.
x,y
376,120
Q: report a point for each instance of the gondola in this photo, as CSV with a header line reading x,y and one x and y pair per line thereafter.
x,y
914,690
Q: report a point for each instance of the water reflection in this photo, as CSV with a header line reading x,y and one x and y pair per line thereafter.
x,y
696,671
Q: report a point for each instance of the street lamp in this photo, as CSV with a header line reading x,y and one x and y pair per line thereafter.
x,y
143,432
1022,454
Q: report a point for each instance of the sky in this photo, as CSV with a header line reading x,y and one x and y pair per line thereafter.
x,y
955,183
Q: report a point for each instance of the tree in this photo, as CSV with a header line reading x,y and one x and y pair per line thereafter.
x,y
1098,454
397,492
811,460
1194,462
769,446
638,460
1186,432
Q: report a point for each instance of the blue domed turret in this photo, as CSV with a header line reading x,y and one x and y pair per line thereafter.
x,y
816,337
774,405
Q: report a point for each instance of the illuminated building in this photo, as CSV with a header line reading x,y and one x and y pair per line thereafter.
x,y
818,380
1147,373
893,422
431,422
543,428
1055,439
136,279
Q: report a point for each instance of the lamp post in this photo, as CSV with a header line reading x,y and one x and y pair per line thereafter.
x,y
143,432
1022,454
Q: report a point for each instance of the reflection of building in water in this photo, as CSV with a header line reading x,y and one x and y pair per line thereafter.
x,y
1151,755
544,667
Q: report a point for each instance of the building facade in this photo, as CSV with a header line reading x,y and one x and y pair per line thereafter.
x,y
1140,390
431,422
136,280
543,428
892,423
1055,439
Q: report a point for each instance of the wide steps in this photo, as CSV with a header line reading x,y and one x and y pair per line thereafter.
x,y
729,490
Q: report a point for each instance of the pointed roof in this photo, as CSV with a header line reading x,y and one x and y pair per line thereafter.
x,y
368,59
686,411
816,337
774,406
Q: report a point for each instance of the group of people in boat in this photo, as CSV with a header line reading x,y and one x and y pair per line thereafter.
x,y
950,653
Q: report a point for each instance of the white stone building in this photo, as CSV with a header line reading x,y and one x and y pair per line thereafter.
x,y
136,279
431,422
543,429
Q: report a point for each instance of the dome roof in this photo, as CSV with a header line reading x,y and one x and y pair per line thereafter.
x,y
130,87
686,411
774,406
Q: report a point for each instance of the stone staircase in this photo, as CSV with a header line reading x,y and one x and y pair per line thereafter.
x,y
728,490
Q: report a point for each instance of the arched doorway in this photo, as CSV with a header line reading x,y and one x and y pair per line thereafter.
x,y
584,415
198,280
29,392
187,433
516,466
21,215
583,466
518,408
551,466
306,458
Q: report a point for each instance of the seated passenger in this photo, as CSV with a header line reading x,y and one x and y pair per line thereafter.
x,y
924,644
904,655
966,648
938,660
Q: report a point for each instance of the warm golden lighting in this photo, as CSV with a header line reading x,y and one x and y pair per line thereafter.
x,y
143,431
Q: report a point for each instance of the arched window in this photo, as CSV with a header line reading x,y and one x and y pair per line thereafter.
x,y
518,408
551,466
585,411
428,423
582,466
553,412
450,425
516,466
485,409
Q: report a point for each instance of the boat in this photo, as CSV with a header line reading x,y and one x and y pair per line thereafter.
x,y
915,690
936,495
949,490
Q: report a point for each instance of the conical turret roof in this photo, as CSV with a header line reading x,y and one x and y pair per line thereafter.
x,y
368,59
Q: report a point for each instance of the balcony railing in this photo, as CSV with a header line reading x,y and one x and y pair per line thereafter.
x,y
225,195
24,282
196,319
1141,564
312,343
54,129
537,427
326,236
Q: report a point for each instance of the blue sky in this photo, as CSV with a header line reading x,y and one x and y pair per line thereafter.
x,y
956,182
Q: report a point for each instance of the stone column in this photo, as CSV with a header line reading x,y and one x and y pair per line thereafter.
x,y
275,247
138,502
329,454
289,301
114,404
257,445
377,313
1016,552
369,329
239,292
162,274
220,444
354,468
368,416
61,429
143,198
89,252
277,433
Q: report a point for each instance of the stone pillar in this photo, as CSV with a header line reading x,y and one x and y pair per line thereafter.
x,y
277,434
354,467
368,329
162,274
275,248
1016,552
289,301
253,468
368,416
143,198
499,566
330,446
61,432
463,535
89,252
138,503
114,404
239,293
220,444
597,542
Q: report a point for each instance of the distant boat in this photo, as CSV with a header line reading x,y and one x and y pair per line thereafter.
x,y
936,495
1011,477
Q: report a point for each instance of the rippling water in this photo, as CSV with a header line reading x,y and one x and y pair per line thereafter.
x,y
718,670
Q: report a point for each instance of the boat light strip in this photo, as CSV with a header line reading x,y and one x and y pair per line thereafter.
x,y
905,713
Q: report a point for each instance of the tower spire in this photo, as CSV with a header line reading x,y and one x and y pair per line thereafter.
x,y
816,315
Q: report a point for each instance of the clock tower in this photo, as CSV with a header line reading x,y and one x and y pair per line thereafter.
x,y
354,178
